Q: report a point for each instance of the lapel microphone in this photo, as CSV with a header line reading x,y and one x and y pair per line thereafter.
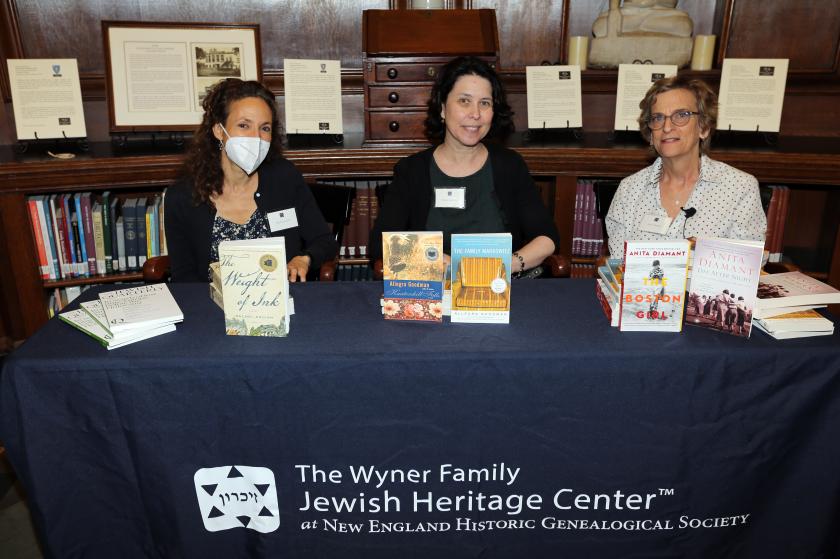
x,y
689,212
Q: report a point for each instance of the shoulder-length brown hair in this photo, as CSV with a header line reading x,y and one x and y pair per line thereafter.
x,y
203,162
707,105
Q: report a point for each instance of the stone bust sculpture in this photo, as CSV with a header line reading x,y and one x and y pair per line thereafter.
x,y
648,17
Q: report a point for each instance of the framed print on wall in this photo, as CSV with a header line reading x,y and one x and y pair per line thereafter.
x,y
158,73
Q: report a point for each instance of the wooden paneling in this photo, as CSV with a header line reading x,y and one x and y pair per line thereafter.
x,y
529,32
805,31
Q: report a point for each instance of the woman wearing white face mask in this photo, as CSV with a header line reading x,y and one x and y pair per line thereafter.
x,y
237,186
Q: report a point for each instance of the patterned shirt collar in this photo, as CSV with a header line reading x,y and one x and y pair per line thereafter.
x,y
709,173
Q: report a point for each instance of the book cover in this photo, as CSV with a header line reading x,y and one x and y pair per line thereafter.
x,y
62,249
142,307
82,320
481,277
724,281
653,289
255,287
790,334
794,289
412,273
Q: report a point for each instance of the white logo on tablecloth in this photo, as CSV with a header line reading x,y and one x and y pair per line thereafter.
x,y
237,497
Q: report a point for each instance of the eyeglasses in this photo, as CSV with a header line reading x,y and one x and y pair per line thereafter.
x,y
679,118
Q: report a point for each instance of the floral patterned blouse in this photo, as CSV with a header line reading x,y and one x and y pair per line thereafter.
x,y
224,230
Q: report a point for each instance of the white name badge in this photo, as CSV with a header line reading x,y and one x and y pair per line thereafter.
x,y
655,224
282,219
451,197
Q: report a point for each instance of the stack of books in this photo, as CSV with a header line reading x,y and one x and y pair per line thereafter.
x,y
786,303
608,288
125,316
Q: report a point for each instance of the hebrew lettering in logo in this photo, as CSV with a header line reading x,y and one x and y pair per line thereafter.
x,y
247,498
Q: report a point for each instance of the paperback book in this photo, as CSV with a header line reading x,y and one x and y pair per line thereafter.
x,y
794,289
82,320
142,307
412,273
481,277
724,281
653,286
255,287
796,325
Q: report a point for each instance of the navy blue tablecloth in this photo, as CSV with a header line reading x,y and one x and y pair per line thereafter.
x,y
553,436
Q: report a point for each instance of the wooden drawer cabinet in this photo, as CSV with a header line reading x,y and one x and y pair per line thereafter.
x,y
404,52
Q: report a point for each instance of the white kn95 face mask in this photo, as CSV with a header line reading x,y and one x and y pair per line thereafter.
x,y
246,151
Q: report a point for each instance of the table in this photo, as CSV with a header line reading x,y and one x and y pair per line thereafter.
x,y
553,436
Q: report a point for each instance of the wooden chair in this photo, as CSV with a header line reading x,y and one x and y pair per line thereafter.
x,y
334,201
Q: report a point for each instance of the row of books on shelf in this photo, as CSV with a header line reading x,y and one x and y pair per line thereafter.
x,y
364,212
588,228
650,290
79,235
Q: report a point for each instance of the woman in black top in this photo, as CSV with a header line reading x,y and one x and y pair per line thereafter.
x,y
237,186
463,185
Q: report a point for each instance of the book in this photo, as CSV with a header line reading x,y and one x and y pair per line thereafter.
x,y
798,321
45,218
71,231
107,226
481,277
129,217
87,226
40,245
82,239
767,313
412,274
255,287
83,320
793,289
59,228
724,281
112,217
790,334
142,307
608,304
98,238
121,245
653,288
140,224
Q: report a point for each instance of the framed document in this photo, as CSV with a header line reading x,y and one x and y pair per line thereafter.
x,y
46,98
159,73
752,92
634,80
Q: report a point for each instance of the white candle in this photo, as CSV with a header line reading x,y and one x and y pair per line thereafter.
x,y
578,50
704,51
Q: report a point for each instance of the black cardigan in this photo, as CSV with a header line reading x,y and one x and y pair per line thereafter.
x,y
409,198
281,186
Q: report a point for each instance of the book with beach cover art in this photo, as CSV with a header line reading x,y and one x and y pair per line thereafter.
x,y
653,287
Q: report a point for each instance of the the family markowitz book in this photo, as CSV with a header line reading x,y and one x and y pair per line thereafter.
x,y
481,277
724,280
653,287
412,273
255,287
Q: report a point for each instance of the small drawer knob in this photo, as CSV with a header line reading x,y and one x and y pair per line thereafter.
x,y
392,73
393,126
431,71
393,97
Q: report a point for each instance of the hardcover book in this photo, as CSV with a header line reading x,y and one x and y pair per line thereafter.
x,y
794,289
653,287
724,280
145,306
255,287
412,273
799,321
481,277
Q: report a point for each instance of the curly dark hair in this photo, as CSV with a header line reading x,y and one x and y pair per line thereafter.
x,y
502,124
707,105
203,163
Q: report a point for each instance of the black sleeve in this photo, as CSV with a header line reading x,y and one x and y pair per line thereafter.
x,y
181,235
534,218
395,213
316,237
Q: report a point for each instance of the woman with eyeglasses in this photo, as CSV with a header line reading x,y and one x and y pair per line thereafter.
x,y
685,193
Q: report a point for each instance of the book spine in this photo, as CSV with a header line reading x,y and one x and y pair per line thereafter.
x,y
578,220
123,259
112,216
87,223
363,219
81,265
77,202
45,217
32,206
106,231
130,225
140,224
70,236
150,238
99,239
61,247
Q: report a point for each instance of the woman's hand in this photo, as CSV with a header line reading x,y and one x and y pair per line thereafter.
x,y
298,267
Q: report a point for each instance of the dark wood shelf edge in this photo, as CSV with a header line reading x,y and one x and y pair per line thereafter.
x,y
94,280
